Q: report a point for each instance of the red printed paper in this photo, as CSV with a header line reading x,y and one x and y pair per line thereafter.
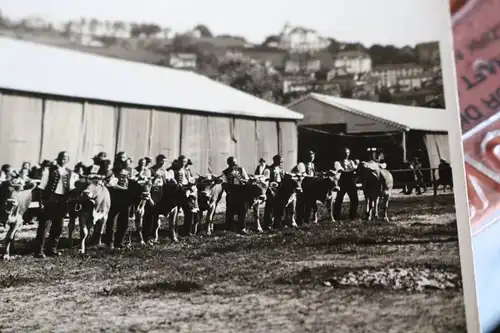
x,y
476,29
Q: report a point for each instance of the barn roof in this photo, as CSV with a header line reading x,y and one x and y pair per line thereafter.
x,y
36,68
402,116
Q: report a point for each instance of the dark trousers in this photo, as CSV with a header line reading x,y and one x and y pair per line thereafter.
x,y
55,209
235,208
352,191
119,216
149,224
269,209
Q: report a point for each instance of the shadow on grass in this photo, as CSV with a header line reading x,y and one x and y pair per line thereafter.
x,y
177,286
17,280
317,275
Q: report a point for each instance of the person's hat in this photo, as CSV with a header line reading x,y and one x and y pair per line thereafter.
x,y
311,152
262,160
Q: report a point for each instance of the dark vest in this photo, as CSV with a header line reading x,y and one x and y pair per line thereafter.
x,y
54,177
276,174
234,175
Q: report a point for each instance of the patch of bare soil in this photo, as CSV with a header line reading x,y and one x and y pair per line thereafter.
x,y
352,276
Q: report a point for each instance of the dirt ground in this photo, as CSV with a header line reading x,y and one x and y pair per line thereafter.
x,y
334,277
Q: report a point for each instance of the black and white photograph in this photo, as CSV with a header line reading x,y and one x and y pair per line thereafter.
x,y
223,166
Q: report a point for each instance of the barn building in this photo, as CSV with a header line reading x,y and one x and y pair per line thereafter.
x,y
54,99
400,132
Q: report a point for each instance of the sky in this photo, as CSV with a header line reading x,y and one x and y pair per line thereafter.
x,y
396,22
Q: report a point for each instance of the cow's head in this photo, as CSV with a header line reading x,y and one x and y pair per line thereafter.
x,y
94,186
293,181
11,196
330,184
259,186
205,185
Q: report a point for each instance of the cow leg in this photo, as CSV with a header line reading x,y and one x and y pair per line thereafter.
x,y
139,220
99,231
292,211
197,217
71,229
173,224
156,220
369,216
255,209
385,201
377,200
210,220
85,233
9,238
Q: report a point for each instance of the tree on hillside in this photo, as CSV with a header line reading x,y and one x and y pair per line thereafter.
x,y
251,77
270,39
389,54
204,31
182,42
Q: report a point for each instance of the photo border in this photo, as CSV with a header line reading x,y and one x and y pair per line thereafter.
x,y
441,13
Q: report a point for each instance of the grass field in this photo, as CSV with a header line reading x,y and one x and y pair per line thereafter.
x,y
352,276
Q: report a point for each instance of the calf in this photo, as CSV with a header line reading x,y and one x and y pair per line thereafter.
x,y
285,199
15,199
318,189
145,194
377,183
175,197
92,209
250,195
209,195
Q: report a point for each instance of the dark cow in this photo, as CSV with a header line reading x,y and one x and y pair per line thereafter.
x,y
209,195
285,199
249,196
319,188
15,199
150,193
377,183
445,176
174,197
91,206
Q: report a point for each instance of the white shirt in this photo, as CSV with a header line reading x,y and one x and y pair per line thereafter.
x,y
60,185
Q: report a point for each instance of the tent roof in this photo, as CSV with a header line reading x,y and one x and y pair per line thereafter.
x,y
401,116
37,68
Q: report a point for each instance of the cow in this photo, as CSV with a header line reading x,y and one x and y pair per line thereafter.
x,y
285,199
209,195
249,196
445,176
148,194
15,199
377,183
174,197
91,206
319,188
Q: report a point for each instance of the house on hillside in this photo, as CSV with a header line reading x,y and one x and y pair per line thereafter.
x,y
354,61
300,39
35,22
275,56
183,60
428,53
390,74
414,81
301,63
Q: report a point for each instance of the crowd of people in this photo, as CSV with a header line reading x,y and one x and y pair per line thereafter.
x,y
56,180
